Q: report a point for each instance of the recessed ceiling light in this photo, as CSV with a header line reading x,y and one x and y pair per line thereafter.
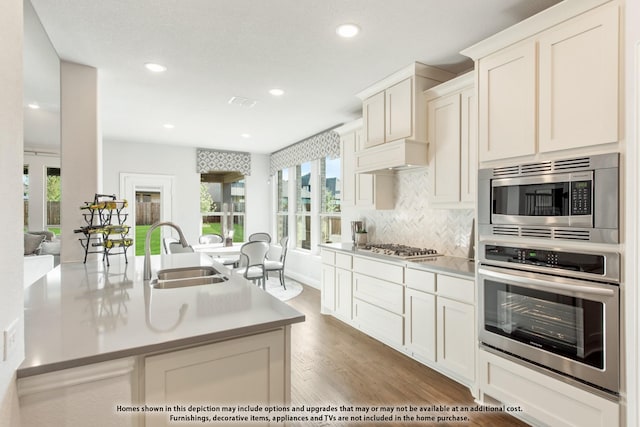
x,y
347,30
168,126
276,92
33,106
246,135
156,68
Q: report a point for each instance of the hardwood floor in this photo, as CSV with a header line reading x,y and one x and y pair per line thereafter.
x,y
335,364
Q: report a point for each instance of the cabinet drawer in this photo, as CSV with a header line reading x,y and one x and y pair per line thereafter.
x,y
389,296
343,261
327,257
379,323
381,270
456,288
424,281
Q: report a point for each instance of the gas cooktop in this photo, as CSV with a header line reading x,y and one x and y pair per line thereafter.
x,y
401,251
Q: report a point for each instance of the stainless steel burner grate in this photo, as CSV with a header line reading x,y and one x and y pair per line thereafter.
x,y
401,251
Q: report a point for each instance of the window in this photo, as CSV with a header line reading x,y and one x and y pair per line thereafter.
x,y
303,206
222,204
53,200
282,213
25,195
330,197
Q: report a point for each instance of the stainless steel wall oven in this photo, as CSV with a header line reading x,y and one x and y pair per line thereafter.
x,y
555,308
571,199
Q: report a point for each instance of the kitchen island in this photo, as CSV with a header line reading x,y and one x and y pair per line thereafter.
x,y
100,340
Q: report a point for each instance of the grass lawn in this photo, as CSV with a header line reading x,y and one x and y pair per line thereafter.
x,y
141,234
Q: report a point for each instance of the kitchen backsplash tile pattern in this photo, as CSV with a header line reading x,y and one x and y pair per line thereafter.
x,y
413,222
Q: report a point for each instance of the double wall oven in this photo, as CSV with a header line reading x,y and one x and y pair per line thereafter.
x,y
543,298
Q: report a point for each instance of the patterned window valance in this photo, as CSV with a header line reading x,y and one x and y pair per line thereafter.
x,y
318,146
223,161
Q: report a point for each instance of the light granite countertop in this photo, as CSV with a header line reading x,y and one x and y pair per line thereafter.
x,y
439,264
80,314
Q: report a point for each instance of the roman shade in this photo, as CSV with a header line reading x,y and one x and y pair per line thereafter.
x,y
225,161
324,144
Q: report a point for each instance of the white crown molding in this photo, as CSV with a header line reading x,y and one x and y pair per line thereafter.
x,y
348,127
415,69
535,24
461,82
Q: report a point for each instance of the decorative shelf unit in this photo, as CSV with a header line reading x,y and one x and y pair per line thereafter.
x,y
105,232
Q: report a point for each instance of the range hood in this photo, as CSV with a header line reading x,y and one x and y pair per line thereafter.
x,y
397,155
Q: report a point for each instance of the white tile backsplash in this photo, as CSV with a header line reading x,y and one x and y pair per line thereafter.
x,y
414,222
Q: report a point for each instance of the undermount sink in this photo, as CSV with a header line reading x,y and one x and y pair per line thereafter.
x,y
187,276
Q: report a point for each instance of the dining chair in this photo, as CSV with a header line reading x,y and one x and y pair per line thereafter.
x,y
260,237
166,242
206,239
278,265
173,246
252,257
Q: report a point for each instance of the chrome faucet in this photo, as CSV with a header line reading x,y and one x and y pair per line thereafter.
x,y
147,245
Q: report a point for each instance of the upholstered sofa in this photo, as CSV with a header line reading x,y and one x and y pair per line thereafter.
x,y
41,254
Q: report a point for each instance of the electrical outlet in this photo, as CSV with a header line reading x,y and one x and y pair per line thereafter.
x,y
10,339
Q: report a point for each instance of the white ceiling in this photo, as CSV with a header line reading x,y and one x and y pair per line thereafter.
x,y
216,49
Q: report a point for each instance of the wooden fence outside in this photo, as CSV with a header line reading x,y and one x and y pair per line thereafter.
x,y
147,213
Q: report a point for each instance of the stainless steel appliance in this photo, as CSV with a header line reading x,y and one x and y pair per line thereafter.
x,y
570,199
401,251
557,309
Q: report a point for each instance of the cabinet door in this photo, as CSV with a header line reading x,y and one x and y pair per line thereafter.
x,y
579,82
443,128
507,103
420,324
468,145
241,370
328,287
456,343
373,120
344,298
399,110
347,156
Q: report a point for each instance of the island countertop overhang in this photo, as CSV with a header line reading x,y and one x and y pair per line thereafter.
x,y
80,314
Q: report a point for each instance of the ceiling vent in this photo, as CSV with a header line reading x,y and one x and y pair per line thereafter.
x,y
242,102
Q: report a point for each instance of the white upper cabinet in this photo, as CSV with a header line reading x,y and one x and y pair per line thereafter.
x,y
507,91
579,82
451,130
393,109
399,107
550,83
444,146
468,145
361,190
373,120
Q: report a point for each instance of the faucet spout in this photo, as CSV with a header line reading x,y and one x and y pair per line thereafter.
x,y
147,244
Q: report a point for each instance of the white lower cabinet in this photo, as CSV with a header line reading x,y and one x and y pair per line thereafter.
x,y
81,396
379,323
343,294
456,344
249,370
543,400
420,325
328,291
440,323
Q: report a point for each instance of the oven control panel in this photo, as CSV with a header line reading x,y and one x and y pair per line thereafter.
x,y
553,259
580,197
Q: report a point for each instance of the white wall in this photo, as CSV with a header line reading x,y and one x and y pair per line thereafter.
x,y
80,151
11,158
180,162
38,165
258,195
157,159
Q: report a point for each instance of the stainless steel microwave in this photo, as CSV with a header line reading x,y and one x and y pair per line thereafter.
x,y
569,199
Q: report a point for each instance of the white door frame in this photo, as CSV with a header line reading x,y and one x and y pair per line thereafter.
x,y
130,183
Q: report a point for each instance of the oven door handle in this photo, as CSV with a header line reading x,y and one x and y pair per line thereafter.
x,y
528,280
